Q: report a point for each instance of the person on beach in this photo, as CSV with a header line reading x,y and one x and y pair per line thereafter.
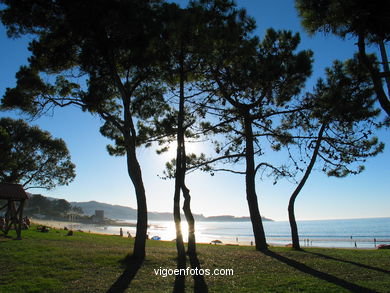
x,y
374,242
121,232
2,223
355,245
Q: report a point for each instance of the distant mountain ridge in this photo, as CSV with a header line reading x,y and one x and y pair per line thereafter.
x,y
118,212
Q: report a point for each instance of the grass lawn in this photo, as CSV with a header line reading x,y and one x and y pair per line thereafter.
x,y
54,262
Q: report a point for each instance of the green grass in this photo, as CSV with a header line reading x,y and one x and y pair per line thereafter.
x,y
54,262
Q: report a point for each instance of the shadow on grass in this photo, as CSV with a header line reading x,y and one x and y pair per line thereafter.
x,y
349,262
132,266
318,274
180,279
200,285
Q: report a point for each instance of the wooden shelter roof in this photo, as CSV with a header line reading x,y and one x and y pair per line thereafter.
x,y
12,191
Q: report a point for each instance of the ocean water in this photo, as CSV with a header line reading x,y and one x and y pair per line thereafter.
x,y
321,233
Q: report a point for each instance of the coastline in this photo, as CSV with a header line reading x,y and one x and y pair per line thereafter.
x,y
167,233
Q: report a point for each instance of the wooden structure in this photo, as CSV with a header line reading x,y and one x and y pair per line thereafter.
x,y
15,196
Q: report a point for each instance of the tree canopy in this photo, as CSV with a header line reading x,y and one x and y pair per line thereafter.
x,y
100,56
367,21
336,129
346,17
32,157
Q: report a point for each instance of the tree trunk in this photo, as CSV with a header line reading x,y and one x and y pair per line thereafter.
x,y
19,215
291,214
176,212
179,177
375,76
181,165
181,254
385,63
133,168
190,221
191,250
134,171
251,196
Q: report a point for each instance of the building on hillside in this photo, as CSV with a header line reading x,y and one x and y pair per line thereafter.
x,y
98,217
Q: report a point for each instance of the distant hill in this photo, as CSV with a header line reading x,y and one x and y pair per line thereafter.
x,y
110,211
126,213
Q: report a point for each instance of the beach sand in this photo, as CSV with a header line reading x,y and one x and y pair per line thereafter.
x,y
114,230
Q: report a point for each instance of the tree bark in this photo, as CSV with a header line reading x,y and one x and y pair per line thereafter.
x,y
134,171
385,63
179,177
19,214
133,168
190,221
181,255
181,167
291,214
375,76
251,196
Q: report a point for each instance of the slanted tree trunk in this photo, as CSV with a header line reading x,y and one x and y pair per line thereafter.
x,y
385,63
135,174
291,214
134,171
375,75
133,168
251,196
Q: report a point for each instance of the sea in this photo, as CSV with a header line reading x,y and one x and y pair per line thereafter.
x,y
350,233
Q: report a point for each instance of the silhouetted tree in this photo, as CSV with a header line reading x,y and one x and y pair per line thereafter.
x,y
49,207
181,41
32,157
368,21
61,206
77,210
254,81
98,55
38,204
336,129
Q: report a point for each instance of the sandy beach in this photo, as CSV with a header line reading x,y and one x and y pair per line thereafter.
x,y
166,232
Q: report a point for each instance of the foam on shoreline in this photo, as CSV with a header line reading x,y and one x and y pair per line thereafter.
x,y
337,242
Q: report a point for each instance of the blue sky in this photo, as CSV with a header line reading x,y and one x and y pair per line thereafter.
x,y
104,178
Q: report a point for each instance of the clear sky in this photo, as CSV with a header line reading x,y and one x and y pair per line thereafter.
x,y
104,178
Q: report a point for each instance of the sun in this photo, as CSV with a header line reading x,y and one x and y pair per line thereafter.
x,y
191,147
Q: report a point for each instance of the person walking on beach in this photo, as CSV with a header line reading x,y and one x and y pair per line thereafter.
x,y
355,245
375,242
121,232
